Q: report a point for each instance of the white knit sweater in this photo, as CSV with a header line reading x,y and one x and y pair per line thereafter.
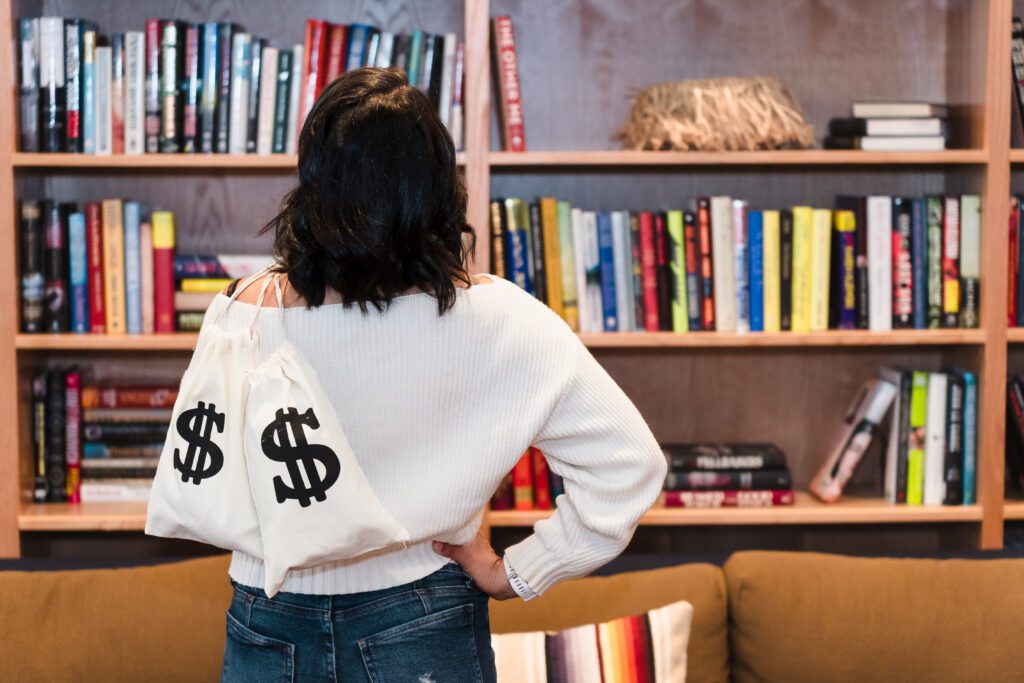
x,y
439,408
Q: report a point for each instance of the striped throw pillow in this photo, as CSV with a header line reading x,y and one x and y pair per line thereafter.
x,y
647,648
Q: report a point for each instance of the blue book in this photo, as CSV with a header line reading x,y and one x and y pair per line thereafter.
x,y
740,270
79,272
88,69
970,432
209,71
516,253
357,35
133,267
557,486
919,261
755,259
415,61
606,254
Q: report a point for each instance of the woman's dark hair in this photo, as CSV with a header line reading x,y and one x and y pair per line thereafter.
x,y
380,207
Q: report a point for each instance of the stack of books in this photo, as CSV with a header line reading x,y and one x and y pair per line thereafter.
x,y
102,267
531,485
890,127
726,475
186,87
96,443
200,277
874,263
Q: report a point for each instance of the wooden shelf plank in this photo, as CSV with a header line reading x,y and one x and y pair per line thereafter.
x,y
82,517
806,510
107,342
1017,156
809,157
285,162
1013,509
1015,335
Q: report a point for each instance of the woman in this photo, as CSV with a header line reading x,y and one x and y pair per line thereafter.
x,y
441,380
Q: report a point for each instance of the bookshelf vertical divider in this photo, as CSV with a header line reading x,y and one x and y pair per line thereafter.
x,y
477,128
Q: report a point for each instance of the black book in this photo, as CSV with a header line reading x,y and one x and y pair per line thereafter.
x,y
899,437
436,72
56,308
721,456
56,468
33,283
74,32
124,432
191,89
172,58
39,437
1017,52
902,263
1014,434
954,465
539,275
52,97
282,101
786,270
663,271
499,227
637,270
95,473
255,77
427,62
208,86
858,205
694,303
400,52
28,84
223,87
710,480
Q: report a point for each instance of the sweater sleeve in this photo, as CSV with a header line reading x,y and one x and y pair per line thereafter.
x,y
613,469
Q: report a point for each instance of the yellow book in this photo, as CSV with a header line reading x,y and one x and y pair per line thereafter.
x,y
677,265
570,297
821,261
199,284
802,217
772,274
552,262
113,267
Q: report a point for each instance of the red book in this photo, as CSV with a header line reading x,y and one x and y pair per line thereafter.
x,y
152,94
692,270
190,101
163,271
73,436
706,272
662,273
761,498
313,65
94,263
522,482
128,397
649,275
1011,271
336,50
541,483
513,135
117,97
951,262
504,497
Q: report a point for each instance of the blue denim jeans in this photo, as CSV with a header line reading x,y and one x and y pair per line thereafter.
x,y
432,630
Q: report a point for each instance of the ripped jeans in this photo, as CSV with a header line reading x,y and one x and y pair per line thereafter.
x,y
434,630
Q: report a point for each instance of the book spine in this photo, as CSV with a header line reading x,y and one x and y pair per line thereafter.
x,y
88,104
241,71
934,227
267,101
821,250
123,432
707,274
755,269
132,267
498,229
427,64
663,271
28,81
880,263
723,499
954,439
104,114
444,109
740,265
55,269
970,433
252,109
592,266
94,244
357,40
191,91
567,266
134,92
294,101
786,270
33,280
337,51
636,284
73,30
51,81
146,284
282,98
225,43
1013,266
677,270
902,264
516,248
535,247
688,462
163,271
541,480
862,276
116,491
39,431
605,244
128,397
385,50
935,440
950,290
117,93
552,259
113,267
153,123
437,74
845,229
970,260
522,482
579,250
510,94
78,268
802,264
920,262
899,438
723,257
455,123
314,67
1017,61
648,265
56,447
73,436
694,301
916,442
415,59
713,481
171,61
208,89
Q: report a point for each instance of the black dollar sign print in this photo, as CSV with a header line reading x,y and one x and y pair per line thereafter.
x,y
282,450
203,458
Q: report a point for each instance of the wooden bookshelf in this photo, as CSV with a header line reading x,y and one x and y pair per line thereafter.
x,y
784,387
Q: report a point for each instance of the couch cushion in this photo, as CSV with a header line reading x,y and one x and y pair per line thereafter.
x,y
810,617
163,623
597,599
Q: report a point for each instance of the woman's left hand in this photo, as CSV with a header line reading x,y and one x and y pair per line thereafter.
x,y
480,561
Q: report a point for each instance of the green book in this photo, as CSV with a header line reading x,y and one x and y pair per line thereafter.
x,y
915,450
415,58
570,298
934,291
677,265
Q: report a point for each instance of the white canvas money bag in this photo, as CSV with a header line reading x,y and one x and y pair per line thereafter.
x,y
312,499
201,488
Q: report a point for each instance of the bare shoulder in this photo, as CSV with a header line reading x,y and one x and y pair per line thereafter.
x,y
251,293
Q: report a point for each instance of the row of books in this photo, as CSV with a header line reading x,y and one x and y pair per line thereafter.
x,y
95,443
200,277
874,263
205,87
531,485
726,475
102,267
890,127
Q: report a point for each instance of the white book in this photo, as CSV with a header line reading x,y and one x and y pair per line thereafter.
x,y
935,440
115,490
893,376
883,127
970,258
447,77
268,97
456,121
104,114
622,256
723,259
134,92
147,286
592,262
579,248
879,219
384,50
903,143
294,97
739,233
241,71
51,52
898,110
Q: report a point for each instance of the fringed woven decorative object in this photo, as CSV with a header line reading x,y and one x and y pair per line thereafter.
x,y
717,114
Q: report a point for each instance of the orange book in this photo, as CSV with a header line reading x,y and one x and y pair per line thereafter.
x,y
522,482
113,267
541,481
